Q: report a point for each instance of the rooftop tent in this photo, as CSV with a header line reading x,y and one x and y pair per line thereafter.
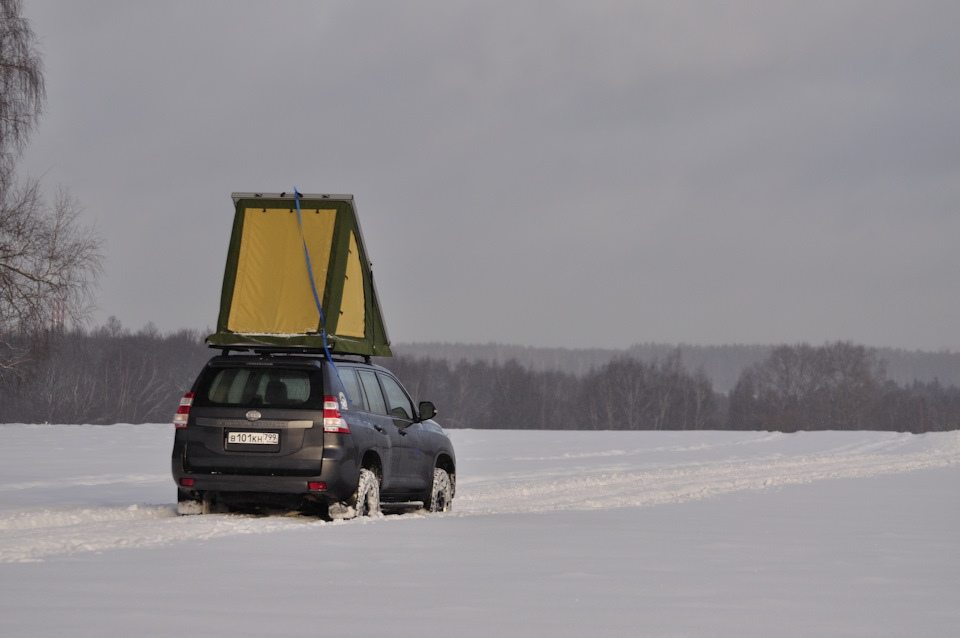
x,y
267,299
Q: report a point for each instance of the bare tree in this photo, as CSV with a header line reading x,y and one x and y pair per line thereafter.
x,y
48,261
22,91
832,387
48,267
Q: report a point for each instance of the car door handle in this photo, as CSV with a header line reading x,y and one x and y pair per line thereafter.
x,y
379,429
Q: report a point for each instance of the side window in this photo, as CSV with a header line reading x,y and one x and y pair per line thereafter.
x,y
399,403
348,376
375,403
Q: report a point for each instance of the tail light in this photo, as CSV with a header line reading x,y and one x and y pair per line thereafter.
x,y
180,418
332,421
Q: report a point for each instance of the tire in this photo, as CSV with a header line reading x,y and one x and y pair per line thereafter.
x,y
192,503
441,495
189,507
368,495
189,504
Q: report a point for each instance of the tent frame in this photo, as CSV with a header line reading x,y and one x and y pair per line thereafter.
x,y
375,340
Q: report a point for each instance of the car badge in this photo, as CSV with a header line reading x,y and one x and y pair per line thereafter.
x,y
253,415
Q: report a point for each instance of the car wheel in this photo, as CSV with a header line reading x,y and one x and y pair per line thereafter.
x,y
441,496
189,507
189,503
368,494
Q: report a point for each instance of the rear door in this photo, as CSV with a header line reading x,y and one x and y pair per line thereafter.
x,y
377,416
416,466
251,418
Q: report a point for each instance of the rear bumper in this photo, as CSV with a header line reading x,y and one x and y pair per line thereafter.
x,y
339,476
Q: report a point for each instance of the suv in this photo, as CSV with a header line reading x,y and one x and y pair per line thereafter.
x,y
301,431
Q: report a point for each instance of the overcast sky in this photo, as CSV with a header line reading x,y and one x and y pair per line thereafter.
x,y
541,173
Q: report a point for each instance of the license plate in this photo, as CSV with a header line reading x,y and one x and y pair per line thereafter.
x,y
253,438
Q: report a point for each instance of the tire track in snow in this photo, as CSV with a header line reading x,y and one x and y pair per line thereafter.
x,y
630,470
85,481
605,488
28,536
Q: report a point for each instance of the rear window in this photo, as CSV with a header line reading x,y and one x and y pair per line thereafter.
x,y
252,387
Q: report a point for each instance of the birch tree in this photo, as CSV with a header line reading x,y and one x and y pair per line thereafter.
x,y
49,262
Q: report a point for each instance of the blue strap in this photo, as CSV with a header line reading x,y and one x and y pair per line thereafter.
x,y
316,297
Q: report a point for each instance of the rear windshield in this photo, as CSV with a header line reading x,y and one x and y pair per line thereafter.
x,y
260,387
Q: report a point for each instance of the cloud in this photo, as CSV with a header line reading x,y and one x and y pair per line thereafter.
x,y
544,173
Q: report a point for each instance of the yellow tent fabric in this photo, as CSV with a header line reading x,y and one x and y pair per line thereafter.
x,y
353,306
272,292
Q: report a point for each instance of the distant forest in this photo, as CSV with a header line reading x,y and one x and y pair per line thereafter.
x,y
112,375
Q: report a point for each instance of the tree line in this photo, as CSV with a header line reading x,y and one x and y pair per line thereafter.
x,y
723,364
838,386
624,394
112,375
104,376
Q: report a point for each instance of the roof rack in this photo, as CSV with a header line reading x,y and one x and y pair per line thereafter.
x,y
281,350
289,195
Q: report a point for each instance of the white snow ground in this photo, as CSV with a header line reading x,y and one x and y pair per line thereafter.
x,y
552,534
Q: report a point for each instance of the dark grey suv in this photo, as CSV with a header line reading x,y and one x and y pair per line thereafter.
x,y
299,431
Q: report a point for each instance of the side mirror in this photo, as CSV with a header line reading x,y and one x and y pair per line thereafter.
x,y
427,410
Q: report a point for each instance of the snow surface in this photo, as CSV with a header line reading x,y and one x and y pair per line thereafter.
x,y
552,533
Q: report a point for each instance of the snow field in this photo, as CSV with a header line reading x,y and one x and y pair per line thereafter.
x,y
552,533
